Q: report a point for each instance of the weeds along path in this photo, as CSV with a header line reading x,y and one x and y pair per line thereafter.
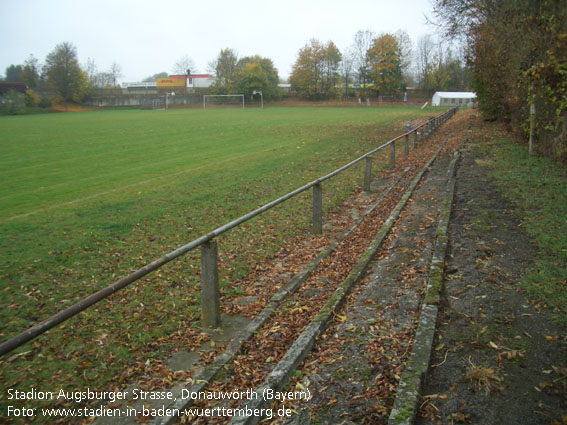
x,y
249,368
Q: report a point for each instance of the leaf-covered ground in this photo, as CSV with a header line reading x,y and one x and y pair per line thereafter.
x,y
259,355
56,256
497,357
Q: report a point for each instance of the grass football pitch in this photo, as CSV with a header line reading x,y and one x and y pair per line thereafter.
x,y
86,198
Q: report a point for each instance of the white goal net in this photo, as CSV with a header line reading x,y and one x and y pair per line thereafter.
x,y
223,101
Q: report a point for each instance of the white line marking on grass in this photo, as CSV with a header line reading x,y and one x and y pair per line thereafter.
x,y
97,195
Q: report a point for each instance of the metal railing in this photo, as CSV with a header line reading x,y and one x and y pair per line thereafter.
x,y
210,304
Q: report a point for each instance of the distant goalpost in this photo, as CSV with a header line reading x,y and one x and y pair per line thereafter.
x,y
223,100
155,104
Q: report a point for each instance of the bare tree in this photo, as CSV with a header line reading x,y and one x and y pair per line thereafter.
x,y
116,72
184,65
91,69
96,79
346,68
425,57
458,17
362,43
405,50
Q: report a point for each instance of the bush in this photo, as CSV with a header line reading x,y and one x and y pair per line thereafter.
x,y
44,102
14,103
31,99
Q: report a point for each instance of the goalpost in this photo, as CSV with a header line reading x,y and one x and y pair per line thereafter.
x,y
223,100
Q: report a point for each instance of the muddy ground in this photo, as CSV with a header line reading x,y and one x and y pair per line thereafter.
x,y
497,358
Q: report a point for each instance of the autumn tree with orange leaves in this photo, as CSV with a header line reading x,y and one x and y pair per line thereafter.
x,y
315,73
517,51
385,64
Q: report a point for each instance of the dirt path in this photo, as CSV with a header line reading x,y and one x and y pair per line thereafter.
x,y
497,357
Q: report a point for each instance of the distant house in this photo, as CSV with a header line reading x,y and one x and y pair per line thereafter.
x,y
12,94
5,87
196,81
187,82
139,87
453,98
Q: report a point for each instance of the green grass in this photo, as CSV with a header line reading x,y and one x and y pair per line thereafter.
x,y
89,197
538,187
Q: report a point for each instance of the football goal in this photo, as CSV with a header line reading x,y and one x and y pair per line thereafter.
x,y
223,101
154,103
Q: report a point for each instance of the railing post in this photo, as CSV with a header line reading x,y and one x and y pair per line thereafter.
x,y
318,209
532,125
406,146
415,139
392,154
367,174
210,294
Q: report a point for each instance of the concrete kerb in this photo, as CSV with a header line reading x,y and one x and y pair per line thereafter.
x,y
208,374
297,352
405,406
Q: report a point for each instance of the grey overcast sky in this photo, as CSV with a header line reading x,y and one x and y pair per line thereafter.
x,y
147,37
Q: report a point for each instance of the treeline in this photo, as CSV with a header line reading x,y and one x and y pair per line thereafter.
x,y
372,65
61,79
517,54
234,75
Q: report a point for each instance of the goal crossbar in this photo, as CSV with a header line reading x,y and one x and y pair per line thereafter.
x,y
221,95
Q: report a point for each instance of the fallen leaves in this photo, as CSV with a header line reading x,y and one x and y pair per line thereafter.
x,y
299,309
461,417
552,338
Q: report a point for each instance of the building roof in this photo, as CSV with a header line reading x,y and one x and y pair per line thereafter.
x,y
456,94
5,87
146,84
192,76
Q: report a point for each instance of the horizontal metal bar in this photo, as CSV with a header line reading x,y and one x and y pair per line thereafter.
x,y
76,308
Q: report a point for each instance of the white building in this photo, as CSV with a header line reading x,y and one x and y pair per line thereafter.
x,y
197,80
185,82
453,98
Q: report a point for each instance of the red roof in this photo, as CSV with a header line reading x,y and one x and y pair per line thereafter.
x,y
192,76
